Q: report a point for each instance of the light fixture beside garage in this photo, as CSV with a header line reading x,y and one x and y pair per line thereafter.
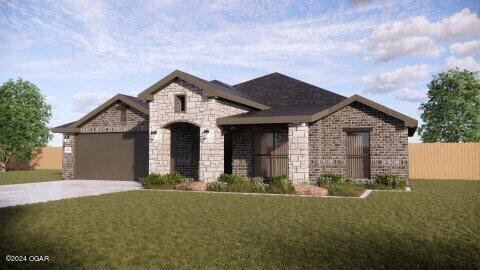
x,y
206,134
153,135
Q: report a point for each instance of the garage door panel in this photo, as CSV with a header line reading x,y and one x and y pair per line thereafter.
x,y
116,156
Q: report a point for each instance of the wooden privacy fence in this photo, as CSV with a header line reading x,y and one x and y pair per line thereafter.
x,y
444,161
43,158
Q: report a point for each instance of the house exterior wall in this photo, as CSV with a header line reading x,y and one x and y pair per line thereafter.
x,y
388,141
68,159
242,145
298,154
106,121
109,120
200,111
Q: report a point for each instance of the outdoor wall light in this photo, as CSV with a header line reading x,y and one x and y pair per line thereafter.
x,y
206,134
153,135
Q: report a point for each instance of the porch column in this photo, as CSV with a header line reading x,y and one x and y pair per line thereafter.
x,y
211,153
159,151
298,157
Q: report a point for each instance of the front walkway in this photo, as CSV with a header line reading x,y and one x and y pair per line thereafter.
x,y
50,191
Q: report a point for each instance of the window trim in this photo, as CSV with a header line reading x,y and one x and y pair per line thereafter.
x,y
177,96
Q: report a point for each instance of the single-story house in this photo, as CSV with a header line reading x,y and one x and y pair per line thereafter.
x,y
271,125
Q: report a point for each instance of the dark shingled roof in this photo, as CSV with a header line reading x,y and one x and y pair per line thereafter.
x,y
287,96
136,100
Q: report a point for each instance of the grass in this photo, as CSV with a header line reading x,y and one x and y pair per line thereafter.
x,y
29,176
344,189
437,225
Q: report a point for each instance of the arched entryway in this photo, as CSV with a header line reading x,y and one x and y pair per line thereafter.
x,y
184,148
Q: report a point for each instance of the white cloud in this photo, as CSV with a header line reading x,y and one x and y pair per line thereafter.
x,y
417,35
408,94
396,79
53,101
466,49
467,63
353,47
84,102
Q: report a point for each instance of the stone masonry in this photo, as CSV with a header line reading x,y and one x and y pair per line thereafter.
x,y
200,111
298,155
388,141
68,159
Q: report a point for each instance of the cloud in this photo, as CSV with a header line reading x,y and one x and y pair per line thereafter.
x,y
418,36
410,95
353,47
467,63
53,101
397,79
466,49
86,101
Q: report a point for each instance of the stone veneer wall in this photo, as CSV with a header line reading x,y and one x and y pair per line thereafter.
x,y
298,155
242,146
109,120
200,111
388,141
68,159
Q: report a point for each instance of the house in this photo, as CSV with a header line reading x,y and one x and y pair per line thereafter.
x,y
271,125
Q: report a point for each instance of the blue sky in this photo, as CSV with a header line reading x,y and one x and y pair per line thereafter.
x,y
80,53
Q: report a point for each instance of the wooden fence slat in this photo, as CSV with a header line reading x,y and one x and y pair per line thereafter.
x,y
444,161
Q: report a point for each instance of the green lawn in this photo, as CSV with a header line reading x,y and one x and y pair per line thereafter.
x,y
29,176
437,225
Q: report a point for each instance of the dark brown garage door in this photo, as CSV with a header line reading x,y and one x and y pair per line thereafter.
x,y
112,156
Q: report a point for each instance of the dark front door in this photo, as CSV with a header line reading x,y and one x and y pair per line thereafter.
x,y
111,156
358,155
270,154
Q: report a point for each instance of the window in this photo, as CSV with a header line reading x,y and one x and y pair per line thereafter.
x,y
180,103
270,154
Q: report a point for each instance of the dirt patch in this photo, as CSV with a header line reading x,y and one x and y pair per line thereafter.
x,y
193,186
310,190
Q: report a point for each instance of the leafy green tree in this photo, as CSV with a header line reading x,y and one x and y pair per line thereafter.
x,y
24,115
452,112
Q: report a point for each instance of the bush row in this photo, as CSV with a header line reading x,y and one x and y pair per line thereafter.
x,y
337,184
237,183
165,181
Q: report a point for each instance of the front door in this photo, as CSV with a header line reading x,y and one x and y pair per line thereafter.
x,y
270,154
358,155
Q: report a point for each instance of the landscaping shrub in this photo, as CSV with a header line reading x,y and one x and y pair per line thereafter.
x,y
231,179
216,186
330,178
155,180
390,181
257,185
348,189
280,185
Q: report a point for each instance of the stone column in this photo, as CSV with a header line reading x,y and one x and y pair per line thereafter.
x,y
211,154
159,152
68,156
298,156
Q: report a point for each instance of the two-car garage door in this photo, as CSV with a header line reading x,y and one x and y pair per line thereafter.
x,y
111,156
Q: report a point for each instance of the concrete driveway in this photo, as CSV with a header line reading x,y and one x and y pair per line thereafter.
x,y
56,190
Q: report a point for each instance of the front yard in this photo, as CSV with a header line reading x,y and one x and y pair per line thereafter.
x,y
434,226
29,176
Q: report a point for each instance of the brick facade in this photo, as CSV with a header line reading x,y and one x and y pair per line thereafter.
x,y
200,111
388,141
68,159
109,120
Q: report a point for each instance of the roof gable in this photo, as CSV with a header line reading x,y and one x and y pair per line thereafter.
x,y
212,89
129,100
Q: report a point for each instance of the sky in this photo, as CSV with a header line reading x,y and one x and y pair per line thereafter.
x,y
80,53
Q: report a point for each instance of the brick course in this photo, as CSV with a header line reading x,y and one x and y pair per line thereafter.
x,y
68,159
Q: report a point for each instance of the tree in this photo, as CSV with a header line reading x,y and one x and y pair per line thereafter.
x,y
24,115
452,112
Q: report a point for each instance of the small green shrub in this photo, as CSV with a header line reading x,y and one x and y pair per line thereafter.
x,y
280,185
390,181
257,185
330,178
347,189
231,179
155,180
215,186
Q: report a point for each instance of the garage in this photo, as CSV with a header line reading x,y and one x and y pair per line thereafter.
x,y
111,156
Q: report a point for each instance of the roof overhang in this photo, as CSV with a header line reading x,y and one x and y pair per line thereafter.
x,y
75,126
409,122
211,90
